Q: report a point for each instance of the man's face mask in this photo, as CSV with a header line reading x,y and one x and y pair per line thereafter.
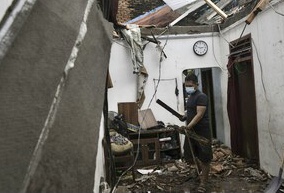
x,y
190,90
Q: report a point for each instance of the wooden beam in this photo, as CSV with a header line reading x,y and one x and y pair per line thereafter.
x,y
258,8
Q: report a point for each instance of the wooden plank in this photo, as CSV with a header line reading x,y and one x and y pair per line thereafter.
x,y
146,119
129,110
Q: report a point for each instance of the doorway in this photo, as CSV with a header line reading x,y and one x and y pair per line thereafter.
x,y
241,104
206,86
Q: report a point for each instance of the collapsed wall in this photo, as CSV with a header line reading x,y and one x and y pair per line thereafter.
x,y
50,118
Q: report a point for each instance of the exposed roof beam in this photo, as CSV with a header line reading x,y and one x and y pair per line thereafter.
x,y
216,8
208,15
190,9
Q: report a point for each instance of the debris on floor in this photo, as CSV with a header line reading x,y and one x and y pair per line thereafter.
x,y
229,173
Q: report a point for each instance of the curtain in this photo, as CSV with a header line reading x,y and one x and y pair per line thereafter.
x,y
232,108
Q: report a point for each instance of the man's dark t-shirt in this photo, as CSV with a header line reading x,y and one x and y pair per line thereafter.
x,y
198,99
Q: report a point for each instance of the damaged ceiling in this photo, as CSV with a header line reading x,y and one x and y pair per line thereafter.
x,y
183,16
196,13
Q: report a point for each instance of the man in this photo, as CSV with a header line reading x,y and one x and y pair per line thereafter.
x,y
198,121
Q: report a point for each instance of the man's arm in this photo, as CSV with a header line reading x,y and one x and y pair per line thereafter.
x,y
200,110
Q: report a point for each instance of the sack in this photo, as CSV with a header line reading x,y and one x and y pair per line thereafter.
x,y
120,144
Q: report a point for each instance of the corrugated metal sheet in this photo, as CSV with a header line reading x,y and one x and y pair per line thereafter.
x,y
197,12
176,4
160,18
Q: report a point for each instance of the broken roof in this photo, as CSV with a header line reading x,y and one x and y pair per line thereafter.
x,y
195,13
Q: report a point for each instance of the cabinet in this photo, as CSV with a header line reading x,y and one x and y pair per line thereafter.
x,y
156,146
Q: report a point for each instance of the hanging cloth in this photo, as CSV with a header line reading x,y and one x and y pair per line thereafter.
x,y
132,35
232,108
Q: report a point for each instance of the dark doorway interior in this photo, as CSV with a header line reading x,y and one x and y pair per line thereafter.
x,y
207,88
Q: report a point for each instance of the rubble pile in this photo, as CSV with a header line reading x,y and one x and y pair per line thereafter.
x,y
164,178
172,177
225,163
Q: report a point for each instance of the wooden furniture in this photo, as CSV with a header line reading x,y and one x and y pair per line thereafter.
x,y
123,162
156,146
129,110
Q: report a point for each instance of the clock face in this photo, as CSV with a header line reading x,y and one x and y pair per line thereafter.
x,y
200,48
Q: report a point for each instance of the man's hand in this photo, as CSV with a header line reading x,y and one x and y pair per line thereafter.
x,y
182,129
182,118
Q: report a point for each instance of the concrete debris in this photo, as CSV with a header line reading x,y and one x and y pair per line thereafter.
x,y
172,174
225,167
257,175
225,163
173,168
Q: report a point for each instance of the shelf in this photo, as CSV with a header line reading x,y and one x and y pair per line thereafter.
x,y
157,146
175,148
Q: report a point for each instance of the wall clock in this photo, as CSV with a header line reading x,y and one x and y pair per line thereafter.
x,y
200,47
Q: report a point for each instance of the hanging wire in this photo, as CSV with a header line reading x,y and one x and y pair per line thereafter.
x,y
261,70
143,118
222,36
154,81
213,49
275,10
160,62
267,101
241,35
116,41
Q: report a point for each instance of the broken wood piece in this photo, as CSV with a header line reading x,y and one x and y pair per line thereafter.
x,y
258,8
228,172
217,9
216,168
219,154
226,151
215,158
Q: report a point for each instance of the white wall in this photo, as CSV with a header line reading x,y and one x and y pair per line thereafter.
x,y
267,32
180,56
4,6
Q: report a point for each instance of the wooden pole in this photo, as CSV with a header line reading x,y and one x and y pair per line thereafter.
x,y
216,8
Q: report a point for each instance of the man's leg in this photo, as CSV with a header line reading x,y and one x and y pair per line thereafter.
x,y
205,156
205,169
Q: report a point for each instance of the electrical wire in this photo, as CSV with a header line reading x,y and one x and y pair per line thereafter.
x,y
241,34
143,119
213,49
261,70
167,29
227,42
159,77
267,101
154,81
245,25
275,10
222,36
